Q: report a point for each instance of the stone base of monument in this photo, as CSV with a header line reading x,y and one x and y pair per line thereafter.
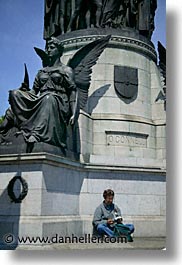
x,y
63,194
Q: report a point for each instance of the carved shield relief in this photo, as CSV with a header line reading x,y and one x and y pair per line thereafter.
x,y
126,82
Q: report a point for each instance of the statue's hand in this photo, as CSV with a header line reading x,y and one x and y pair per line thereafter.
x,y
72,120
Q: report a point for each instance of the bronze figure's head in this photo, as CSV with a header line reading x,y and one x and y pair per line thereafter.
x,y
54,47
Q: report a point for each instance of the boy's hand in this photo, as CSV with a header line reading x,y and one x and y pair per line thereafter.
x,y
110,221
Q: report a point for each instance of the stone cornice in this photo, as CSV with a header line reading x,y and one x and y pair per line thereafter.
x,y
128,40
54,160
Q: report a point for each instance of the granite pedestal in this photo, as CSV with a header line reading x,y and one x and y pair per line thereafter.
x,y
63,195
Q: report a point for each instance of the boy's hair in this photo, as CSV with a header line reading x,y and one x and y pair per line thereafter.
x,y
108,192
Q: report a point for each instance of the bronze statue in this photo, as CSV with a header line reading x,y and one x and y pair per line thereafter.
x,y
146,14
59,91
45,111
79,17
136,14
119,13
10,120
110,12
162,69
60,16
140,16
57,14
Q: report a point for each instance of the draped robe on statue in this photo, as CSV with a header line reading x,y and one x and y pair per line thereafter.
x,y
45,116
146,11
109,11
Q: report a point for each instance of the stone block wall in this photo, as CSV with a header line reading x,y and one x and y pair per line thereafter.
x,y
116,132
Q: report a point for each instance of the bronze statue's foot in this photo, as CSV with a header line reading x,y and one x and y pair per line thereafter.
x,y
32,139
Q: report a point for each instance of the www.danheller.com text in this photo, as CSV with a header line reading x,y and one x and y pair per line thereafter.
x,y
11,239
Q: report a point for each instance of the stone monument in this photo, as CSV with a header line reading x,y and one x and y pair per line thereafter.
x,y
93,120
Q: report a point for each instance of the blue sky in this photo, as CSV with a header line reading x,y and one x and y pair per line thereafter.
x,y
21,27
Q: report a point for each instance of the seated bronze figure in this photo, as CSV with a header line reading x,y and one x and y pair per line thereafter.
x,y
43,113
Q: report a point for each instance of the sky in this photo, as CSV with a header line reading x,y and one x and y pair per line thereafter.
x,y
21,29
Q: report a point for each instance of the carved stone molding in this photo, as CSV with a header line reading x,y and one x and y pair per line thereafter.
x,y
119,39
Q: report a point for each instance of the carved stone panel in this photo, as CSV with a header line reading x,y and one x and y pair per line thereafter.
x,y
115,138
126,82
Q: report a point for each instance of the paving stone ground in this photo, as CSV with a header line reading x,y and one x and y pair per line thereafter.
x,y
139,243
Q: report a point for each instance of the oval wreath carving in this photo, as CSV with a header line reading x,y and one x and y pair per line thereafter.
x,y
23,193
